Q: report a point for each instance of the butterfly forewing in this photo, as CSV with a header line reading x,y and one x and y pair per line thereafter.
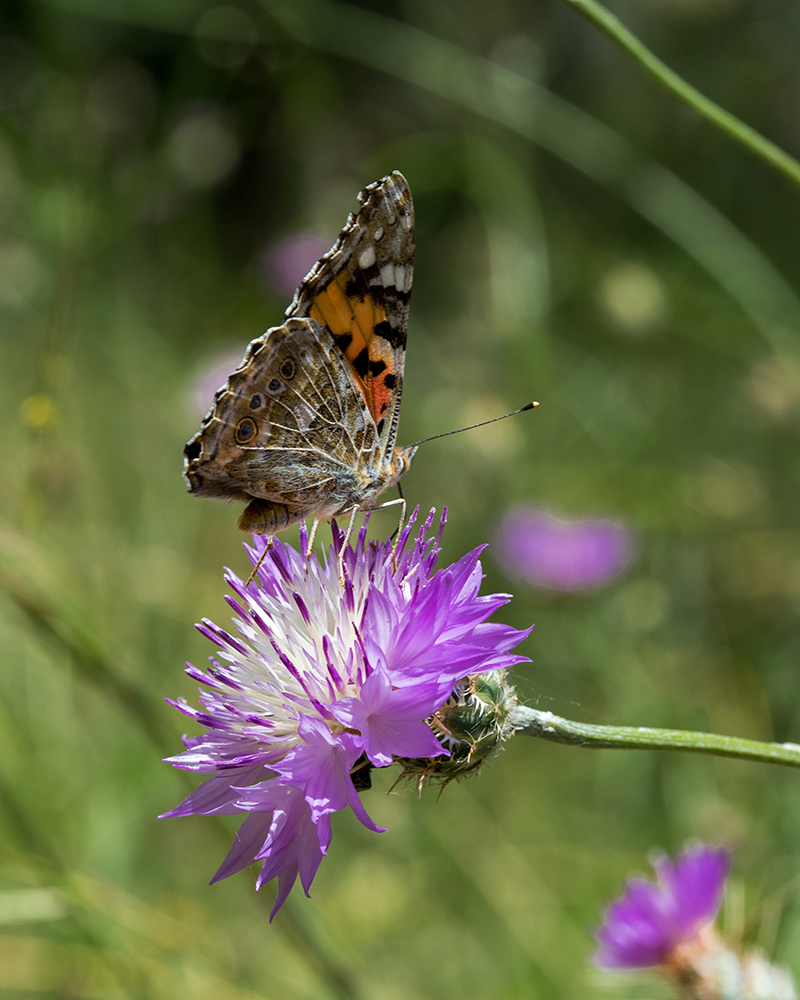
x,y
360,291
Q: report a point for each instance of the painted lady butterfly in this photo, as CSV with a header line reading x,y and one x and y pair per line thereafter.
x,y
306,426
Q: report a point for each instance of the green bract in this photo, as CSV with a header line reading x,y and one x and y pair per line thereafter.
x,y
472,725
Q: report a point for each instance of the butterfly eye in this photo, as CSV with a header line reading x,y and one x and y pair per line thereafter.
x,y
256,402
245,431
288,369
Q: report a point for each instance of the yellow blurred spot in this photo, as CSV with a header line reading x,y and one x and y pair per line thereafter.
x,y
22,274
498,442
644,603
774,385
633,297
39,413
730,489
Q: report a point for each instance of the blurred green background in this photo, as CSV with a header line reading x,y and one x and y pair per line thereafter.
x,y
582,240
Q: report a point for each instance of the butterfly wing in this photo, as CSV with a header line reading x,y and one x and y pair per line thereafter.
x,y
289,426
360,292
306,426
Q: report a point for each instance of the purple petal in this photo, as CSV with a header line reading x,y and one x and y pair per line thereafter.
x,y
320,769
281,833
649,919
216,794
391,720
246,844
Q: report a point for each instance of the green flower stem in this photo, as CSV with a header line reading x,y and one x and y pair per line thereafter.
x,y
546,726
743,134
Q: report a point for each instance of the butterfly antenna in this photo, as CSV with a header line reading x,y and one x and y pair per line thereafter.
x,y
472,427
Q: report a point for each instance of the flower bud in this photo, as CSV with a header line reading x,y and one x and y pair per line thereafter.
x,y
471,725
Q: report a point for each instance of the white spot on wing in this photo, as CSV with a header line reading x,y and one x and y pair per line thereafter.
x,y
399,278
304,415
379,233
367,258
387,275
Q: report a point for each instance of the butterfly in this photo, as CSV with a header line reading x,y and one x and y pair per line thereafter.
x,y
306,425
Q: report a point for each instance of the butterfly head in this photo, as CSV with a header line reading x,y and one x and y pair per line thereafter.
x,y
400,464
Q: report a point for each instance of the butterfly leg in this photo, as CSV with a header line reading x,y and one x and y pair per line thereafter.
x,y
399,532
311,536
261,558
401,502
345,540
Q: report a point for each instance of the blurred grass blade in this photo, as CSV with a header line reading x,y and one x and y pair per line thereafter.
x,y
513,100
518,103
24,906
746,136
45,597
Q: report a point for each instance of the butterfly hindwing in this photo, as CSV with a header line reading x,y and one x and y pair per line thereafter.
x,y
289,414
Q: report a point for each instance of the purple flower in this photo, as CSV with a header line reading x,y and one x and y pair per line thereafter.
x,y
560,554
213,374
643,926
338,663
287,261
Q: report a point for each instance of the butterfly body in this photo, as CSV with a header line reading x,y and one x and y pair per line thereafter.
x,y
306,426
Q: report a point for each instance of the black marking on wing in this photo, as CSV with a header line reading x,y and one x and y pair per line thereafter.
x,y
396,338
343,341
356,288
361,363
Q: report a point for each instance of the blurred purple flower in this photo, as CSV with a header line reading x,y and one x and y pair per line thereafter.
x,y
643,926
340,662
211,376
286,262
559,554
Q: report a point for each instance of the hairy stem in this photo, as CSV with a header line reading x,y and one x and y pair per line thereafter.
x,y
547,726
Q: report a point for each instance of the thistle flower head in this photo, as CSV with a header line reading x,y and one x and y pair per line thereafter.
x,y
670,925
337,665
650,919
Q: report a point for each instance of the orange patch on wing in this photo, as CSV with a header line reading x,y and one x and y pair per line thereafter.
x,y
380,397
368,314
334,310
343,315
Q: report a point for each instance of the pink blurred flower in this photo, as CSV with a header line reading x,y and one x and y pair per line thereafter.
x,y
668,925
558,554
288,260
643,926
212,375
